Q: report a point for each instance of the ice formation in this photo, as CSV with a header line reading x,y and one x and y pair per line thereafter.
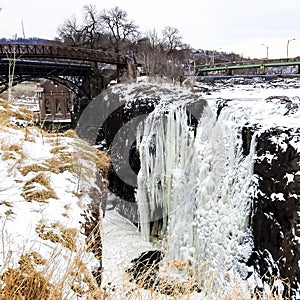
x,y
196,184
193,186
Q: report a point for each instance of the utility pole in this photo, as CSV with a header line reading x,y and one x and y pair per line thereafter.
x,y
23,30
287,48
267,47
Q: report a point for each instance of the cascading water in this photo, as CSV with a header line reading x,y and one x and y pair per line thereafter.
x,y
198,184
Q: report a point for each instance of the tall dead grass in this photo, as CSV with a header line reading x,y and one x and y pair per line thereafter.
x,y
37,278
38,189
8,112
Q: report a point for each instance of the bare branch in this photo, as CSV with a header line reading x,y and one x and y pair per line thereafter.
x,y
116,23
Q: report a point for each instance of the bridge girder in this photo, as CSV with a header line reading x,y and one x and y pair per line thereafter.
x,y
78,69
72,76
254,64
45,51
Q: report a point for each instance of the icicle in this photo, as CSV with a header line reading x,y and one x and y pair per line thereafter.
x,y
165,141
200,184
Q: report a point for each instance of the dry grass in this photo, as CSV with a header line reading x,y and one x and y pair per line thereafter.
x,y
57,233
13,151
69,133
36,278
38,167
25,283
102,160
8,112
81,274
62,162
6,203
38,189
59,163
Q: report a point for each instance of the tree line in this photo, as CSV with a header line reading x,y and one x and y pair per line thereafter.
x,y
161,53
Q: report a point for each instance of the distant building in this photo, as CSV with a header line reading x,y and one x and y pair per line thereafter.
x,y
55,102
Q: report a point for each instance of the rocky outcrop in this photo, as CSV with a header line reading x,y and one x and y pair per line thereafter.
x,y
276,207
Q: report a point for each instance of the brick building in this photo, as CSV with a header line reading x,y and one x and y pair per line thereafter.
x,y
55,102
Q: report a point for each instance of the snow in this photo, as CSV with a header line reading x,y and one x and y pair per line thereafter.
x,y
277,196
201,185
121,243
201,182
23,222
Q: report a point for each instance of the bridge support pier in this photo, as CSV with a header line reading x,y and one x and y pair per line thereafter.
x,y
229,72
262,70
132,71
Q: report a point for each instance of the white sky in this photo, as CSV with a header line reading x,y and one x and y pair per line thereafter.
x,y
228,25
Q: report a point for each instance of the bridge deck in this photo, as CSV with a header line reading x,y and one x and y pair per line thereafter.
x,y
60,52
250,64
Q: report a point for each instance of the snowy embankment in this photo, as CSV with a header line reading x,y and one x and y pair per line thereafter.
x,y
50,190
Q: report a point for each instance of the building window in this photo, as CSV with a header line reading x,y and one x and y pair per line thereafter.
x,y
69,105
57,107
47,107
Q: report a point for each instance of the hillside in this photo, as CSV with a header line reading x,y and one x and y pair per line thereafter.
x,y
50,191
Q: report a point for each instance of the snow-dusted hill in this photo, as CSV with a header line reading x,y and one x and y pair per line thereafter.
x,y
50,192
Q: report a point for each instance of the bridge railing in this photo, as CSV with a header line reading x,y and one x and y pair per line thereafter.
x,y
251,62
248,64
63,52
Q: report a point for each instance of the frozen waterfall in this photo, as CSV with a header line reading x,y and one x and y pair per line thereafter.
x,y
194,186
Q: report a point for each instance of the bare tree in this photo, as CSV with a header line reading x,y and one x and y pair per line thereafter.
x,y
87,33
70,32
120,29
156,55
163,55
12,59
92,28
172,39
153,38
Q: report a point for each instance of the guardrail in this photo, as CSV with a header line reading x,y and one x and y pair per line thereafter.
x,y
249,64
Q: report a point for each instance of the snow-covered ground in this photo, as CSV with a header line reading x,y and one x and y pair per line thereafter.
x,y
64,193
47,186
121,243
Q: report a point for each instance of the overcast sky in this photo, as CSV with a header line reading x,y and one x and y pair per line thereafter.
x,y
221,25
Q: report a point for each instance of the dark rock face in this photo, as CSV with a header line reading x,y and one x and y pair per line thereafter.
x,y
147,262
276,207
125,156
106,139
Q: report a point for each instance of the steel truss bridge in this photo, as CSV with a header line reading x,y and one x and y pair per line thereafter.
x,y
84,71
60,52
